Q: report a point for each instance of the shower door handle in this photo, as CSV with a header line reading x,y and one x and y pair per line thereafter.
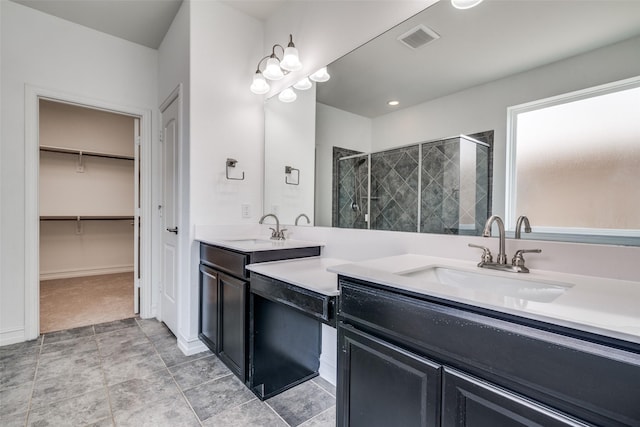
x,y
173,230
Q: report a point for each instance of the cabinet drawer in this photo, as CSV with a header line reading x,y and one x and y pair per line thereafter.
x,y
224,260
312,303
594,382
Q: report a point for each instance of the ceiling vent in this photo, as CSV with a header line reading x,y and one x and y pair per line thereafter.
x,y
418,37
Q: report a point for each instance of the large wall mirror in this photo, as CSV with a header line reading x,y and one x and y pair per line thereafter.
x,y
437,161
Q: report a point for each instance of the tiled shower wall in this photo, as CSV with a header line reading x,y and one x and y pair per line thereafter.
x,y
452,200
394,189
350,188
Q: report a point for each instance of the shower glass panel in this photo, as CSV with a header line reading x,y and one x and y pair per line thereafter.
x,y
455,185
353,192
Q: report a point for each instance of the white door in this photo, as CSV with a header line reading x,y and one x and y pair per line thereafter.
x,y
170,214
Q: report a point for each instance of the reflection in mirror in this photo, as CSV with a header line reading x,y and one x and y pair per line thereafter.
x,y
439,186
289,167
452,86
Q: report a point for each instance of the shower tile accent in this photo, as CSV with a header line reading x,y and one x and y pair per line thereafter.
x,y
442,210
394,189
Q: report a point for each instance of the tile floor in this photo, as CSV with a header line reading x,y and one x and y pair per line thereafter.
x,y
131,373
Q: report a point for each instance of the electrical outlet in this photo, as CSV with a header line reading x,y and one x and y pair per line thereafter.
x,y
246,211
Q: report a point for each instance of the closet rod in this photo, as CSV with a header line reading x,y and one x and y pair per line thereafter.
x,y
84,153
86,218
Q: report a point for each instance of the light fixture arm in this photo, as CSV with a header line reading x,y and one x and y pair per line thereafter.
x,y
273,51
260,62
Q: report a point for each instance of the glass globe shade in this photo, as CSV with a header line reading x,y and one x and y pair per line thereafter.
x,y
321,75
287,95
290,60
273,70
259,85
303,84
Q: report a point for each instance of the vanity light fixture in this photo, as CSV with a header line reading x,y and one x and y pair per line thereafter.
x,y
287,95
275,69
465,4
321,75
303,84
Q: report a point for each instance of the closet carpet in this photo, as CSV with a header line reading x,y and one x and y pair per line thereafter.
x,y
83,301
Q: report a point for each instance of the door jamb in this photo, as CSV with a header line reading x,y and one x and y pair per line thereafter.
x,y
32,223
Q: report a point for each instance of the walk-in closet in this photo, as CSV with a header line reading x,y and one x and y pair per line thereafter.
x,y
87,201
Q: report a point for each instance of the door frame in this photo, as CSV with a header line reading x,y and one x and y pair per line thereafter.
x,y
33,94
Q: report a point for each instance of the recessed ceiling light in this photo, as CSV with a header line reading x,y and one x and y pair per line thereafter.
x,y
465,4
393,103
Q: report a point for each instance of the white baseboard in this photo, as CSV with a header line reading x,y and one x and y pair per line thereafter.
x,y
12,336
328,370
329,356
82,272
191,347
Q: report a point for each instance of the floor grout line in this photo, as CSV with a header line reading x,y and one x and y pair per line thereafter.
x,y
276,412
181,391
317,415
104,380
33,384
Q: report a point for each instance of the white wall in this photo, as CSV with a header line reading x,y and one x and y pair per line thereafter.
x,y
100,247
226,120
338,128
44,51
290,130
485,107
174,68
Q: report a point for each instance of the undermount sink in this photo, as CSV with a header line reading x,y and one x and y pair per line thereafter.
x,y
525,289
250,241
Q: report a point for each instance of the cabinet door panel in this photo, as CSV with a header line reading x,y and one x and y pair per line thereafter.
x,y
232,340
383,385
471,402
209,307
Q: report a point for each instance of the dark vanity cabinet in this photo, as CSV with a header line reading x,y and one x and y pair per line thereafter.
x,y
224,300
285,334
412,360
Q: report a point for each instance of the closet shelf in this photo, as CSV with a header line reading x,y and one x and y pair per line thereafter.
x,y
84,153
87,218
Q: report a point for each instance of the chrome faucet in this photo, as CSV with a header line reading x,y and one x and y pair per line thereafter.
x,y
527,227
302,216
517,263
276,233
502,256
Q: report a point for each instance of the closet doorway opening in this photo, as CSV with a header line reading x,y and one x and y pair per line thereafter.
x,y
89,208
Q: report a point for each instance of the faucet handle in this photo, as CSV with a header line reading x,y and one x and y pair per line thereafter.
x,y
281,234
274,233
518,259
486,253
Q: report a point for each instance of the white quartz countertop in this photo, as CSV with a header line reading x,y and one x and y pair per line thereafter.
x,y
254,243
309,273
598,305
